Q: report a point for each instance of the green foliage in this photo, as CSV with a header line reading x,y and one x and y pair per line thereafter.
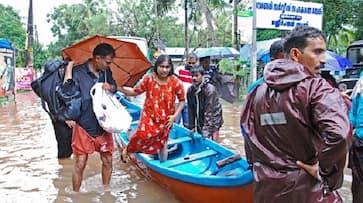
x,y
154,20
134,18
266,34
224,29
337,15
233,66
341,40
40,55
172,33
358,19
221,18
72,23
138,18
227,65
11,28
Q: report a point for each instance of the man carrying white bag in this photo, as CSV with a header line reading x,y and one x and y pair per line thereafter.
x,y
92,131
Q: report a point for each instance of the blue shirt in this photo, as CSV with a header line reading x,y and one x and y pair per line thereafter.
x,y
356,112
85,79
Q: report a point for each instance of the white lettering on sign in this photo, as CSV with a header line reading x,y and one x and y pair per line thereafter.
x,y
285,14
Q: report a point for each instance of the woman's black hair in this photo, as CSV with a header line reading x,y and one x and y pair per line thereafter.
x,y
161,59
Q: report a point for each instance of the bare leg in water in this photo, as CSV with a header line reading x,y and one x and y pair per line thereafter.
x,y
79,166
124,154
106,159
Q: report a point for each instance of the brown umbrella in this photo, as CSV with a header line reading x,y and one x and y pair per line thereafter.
x,y
128,66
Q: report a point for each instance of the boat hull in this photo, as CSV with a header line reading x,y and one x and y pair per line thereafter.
x,y
194,171
192,193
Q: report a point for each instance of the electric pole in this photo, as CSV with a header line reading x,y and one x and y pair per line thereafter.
x,y
254,45
235,24
186,40
30,37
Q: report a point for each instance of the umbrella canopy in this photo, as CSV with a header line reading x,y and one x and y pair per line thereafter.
x,y
128,66
265,56
217,52
335,62
6,44
262,50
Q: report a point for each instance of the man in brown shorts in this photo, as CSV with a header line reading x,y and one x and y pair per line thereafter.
x,y
88,135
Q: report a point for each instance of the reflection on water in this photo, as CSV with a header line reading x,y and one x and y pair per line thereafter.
x,y
30,171
27,163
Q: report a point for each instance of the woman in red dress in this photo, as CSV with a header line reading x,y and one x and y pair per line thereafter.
x,y
158,115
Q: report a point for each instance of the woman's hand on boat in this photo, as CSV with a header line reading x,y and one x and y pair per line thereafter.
x,y
171,121
70,123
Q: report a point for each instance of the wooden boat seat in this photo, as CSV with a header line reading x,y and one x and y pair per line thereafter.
x,y
189,158
178,140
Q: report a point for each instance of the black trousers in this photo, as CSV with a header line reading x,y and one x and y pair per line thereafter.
x,y
356,164
63,135
357,190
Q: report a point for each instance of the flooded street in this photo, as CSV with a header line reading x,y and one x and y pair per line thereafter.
x,y
31,172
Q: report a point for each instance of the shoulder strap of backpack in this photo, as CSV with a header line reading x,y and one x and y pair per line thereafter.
x,y
43,77
43,103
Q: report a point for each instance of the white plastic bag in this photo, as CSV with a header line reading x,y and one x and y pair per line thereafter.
x,y
111,115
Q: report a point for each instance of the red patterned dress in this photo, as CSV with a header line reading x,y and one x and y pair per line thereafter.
x,y
152,133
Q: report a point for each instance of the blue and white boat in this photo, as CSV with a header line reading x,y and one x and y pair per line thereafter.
x,y
197,169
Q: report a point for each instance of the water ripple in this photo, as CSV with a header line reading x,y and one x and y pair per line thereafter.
x,y
30,171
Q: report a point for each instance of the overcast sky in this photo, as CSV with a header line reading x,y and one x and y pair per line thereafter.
x,y
40,10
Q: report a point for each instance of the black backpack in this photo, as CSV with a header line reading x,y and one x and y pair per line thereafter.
x,y
59,104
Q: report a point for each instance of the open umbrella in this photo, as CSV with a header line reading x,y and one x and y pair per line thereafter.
x,y
335,62
217,52
262,50
128,66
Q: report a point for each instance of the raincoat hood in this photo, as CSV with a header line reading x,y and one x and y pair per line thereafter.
x,y
283,73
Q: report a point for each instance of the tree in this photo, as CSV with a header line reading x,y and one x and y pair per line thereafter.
x,y
266,34
205,11
209,18
337,15
40,55
13,29
358,19
341,40
224,29
138,18
72,23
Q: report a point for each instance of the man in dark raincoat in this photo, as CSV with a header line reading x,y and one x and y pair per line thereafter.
x,y
296,126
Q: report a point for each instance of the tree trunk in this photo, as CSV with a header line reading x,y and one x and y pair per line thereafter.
x,y
209,18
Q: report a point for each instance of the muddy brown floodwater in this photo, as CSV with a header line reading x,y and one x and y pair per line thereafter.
x,y
30,171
